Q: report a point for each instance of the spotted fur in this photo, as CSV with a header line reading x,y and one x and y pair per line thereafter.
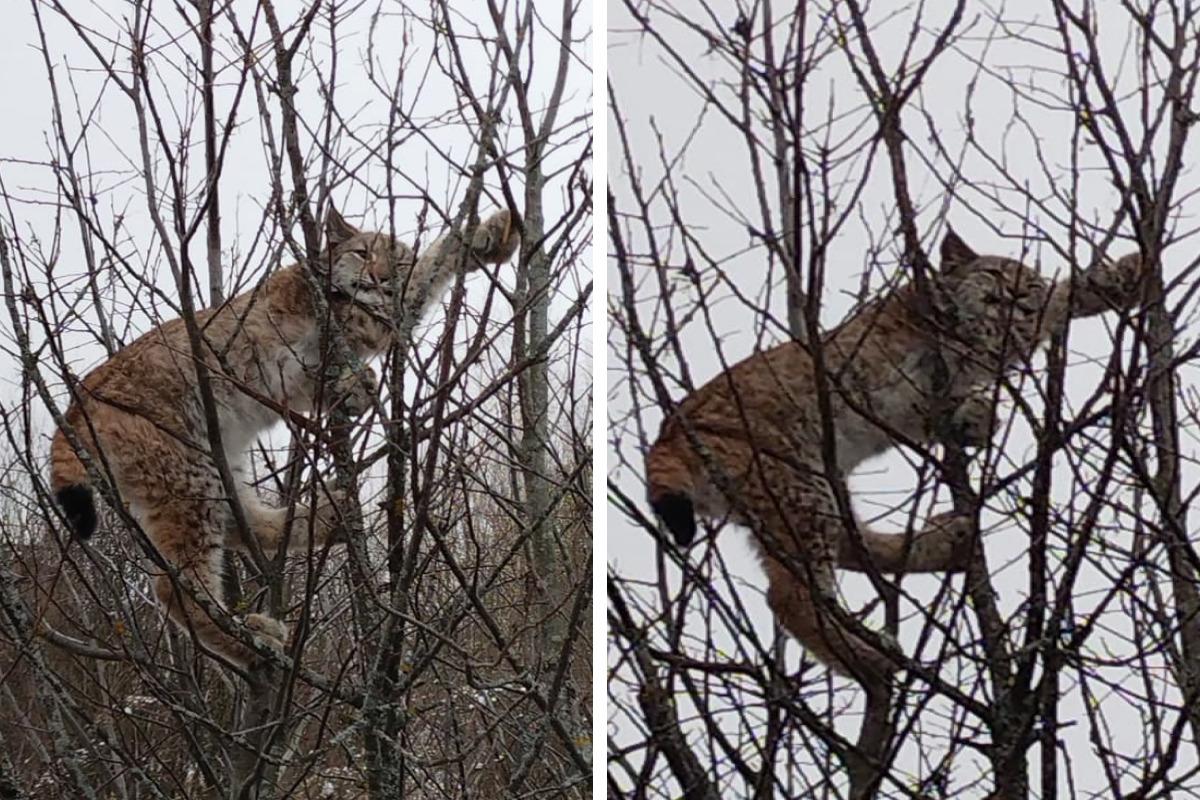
x,y
140,415
749,444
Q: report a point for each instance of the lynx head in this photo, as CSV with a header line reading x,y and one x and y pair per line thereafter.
x,y
363,263
995,305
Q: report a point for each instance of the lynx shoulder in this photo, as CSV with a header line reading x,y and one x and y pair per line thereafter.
x,y
141,421
750,444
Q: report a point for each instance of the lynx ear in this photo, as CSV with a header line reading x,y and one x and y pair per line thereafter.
x,y
337,230
955,252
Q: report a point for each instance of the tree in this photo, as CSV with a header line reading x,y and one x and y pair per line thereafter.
x,y
809,160
422,664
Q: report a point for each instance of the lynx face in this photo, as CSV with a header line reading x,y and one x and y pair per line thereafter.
x,y
997,305
365,264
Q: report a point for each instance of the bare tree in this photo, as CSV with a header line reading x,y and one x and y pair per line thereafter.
x,y
808,160
446,650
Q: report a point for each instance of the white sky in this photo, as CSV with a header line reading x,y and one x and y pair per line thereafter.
x,y
427,162
663,111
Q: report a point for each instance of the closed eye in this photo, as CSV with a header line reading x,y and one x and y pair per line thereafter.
x,y
364,289
1016,298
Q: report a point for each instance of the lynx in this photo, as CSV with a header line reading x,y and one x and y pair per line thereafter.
x,y
140,417
759,429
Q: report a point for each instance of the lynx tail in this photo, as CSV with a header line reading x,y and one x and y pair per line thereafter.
x,y
670,491
69,482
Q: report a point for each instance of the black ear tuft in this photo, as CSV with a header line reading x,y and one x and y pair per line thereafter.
x,y
678,514
79,508
955,252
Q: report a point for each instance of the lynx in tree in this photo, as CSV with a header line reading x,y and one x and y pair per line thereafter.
x,y
759,429
140,416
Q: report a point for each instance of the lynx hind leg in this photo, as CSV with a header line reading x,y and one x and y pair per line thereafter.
x,y
804,607
192,602
798,539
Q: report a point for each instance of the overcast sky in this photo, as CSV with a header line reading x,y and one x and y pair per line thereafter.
x,y
428,160
667,119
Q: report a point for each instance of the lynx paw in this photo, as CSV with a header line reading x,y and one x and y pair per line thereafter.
x,y
268,631
973,423
877,672
495,239
329,516
1111,284
955,535
357,390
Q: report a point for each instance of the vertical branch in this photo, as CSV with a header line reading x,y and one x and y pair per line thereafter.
x,y
786,133
533,299
76,192
888,97
1132,170
212,164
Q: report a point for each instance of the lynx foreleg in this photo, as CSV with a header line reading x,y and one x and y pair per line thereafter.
x,y
356,389
1110,285
1102,287
945,544
971,421
494,241
270,525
